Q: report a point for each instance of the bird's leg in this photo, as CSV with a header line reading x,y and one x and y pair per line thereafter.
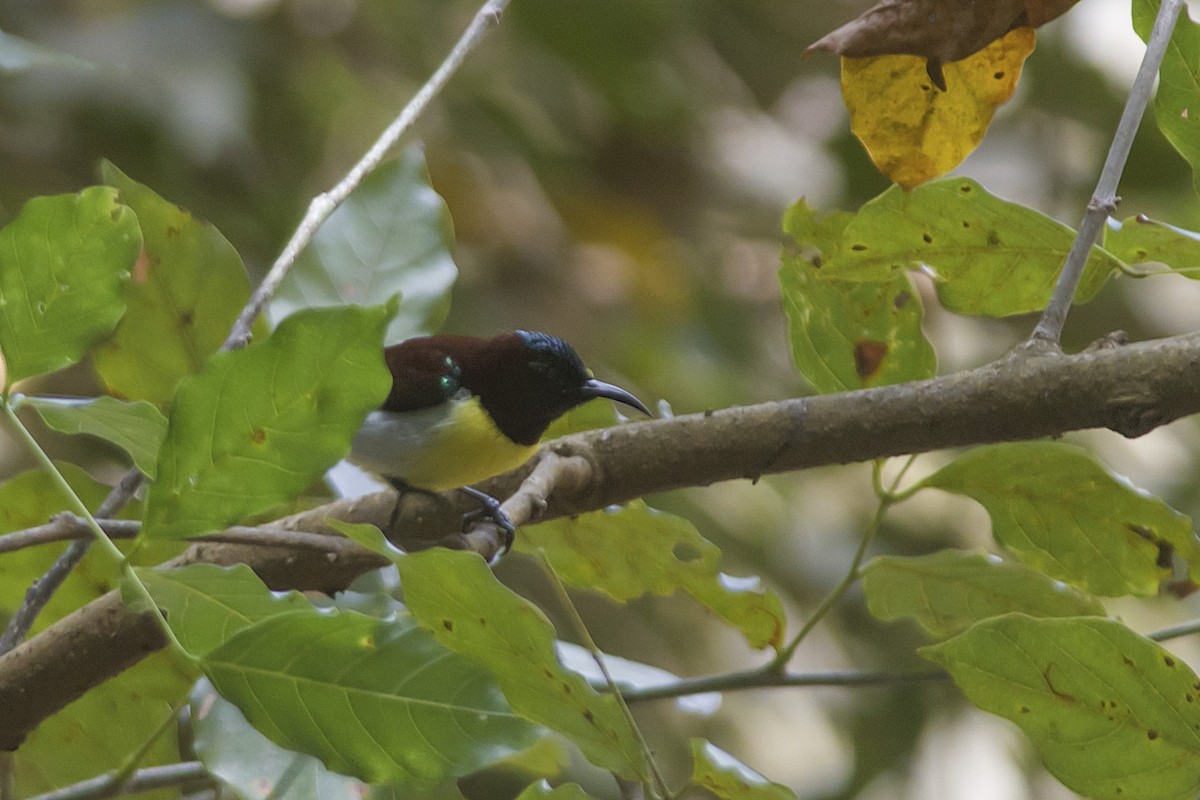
x,y
490,508
401,488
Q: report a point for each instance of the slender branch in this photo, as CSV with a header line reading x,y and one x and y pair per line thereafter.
x,y
1104,200
1130,389
319,210
144,780
323,204
67,527
852,574
769,677
1175,631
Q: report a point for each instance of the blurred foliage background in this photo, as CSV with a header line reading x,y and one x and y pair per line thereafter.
x,y
617,172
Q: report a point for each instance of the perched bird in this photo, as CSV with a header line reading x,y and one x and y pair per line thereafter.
x,y
463,409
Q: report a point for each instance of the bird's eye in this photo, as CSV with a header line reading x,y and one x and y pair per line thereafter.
x,y
451,382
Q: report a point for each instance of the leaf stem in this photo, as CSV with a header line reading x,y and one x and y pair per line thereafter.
x,y
586,637
98,535
887,498
1048,332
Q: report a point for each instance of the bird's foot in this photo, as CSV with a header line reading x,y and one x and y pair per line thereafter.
x,y
490,509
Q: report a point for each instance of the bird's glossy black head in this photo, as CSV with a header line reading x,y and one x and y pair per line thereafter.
x,y
527,379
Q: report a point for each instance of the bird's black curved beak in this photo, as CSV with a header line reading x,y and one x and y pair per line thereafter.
x,y
595,388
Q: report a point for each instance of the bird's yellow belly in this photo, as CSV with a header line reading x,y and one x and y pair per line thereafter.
x,y
443,448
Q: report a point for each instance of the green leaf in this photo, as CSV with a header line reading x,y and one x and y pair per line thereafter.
x,y
632,551
259,425
137,428
187,289
1112,714
367,535
456,597
847,335
729,779
62,263
1178,77
391,237
949,591
986,256
206,604
254,766
32,498
1061,512
1143,241
377,699
542,791
106,726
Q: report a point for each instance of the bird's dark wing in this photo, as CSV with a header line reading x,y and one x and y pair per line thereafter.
x,y
425,370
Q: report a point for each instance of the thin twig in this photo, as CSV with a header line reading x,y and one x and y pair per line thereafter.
x,y
323,204
660,783
67,526
764,677
1175,631
319,210
143,780
1104,200
886,501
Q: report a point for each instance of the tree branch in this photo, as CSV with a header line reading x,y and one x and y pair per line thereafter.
x,y
1130,389
1104,200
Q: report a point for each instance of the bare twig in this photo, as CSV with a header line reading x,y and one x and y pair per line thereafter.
x,y
144,780
319,210
768,676
66,527
323,204
1104,200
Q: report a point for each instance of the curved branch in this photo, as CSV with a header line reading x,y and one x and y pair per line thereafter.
x,y
1130,389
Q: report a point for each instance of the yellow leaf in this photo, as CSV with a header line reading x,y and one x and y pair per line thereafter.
x,y
914,132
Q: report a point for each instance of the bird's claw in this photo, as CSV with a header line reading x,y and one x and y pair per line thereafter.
x,y
490,509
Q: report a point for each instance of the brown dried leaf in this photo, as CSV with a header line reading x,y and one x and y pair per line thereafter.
x,y
940,31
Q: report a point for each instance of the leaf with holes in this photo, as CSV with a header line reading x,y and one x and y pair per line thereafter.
x,y
1058,510
847,335
1113,715
63,261
457,598
632,551
377,699
915,132
986,256
259,425
949,591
